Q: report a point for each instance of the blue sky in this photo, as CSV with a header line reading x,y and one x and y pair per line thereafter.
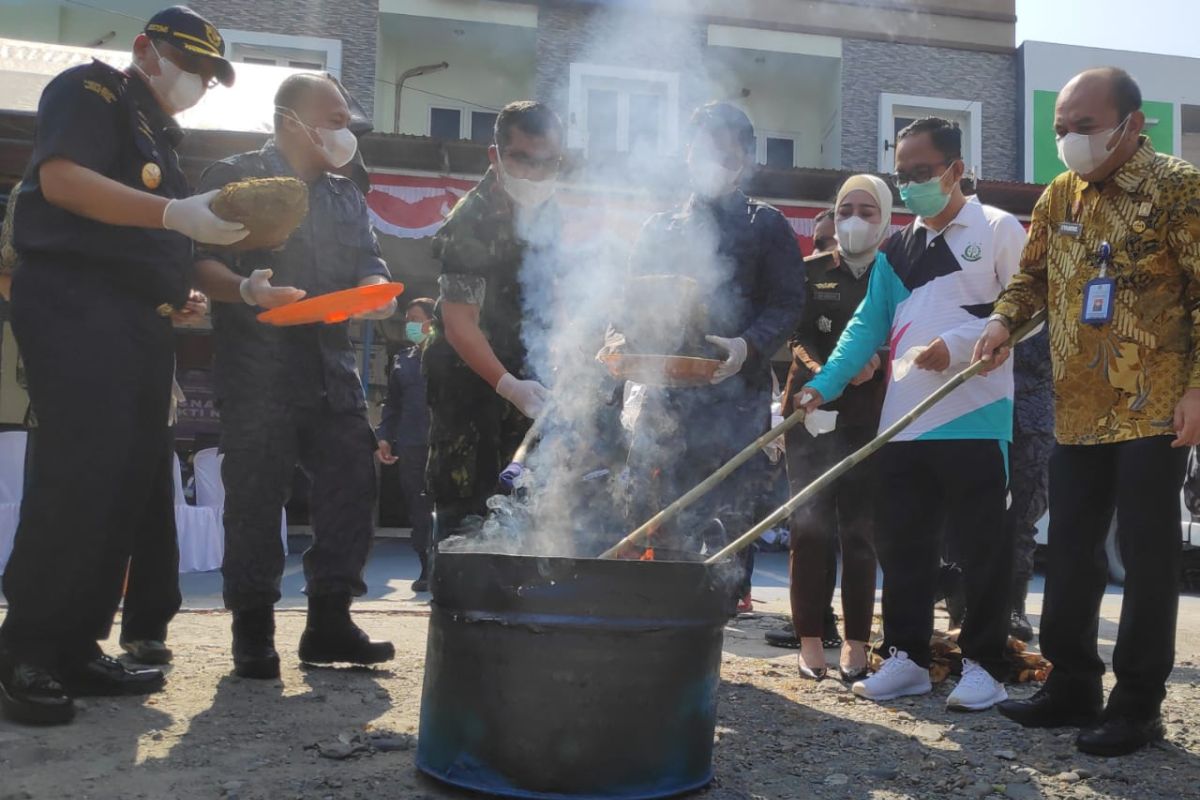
x,y
1151,26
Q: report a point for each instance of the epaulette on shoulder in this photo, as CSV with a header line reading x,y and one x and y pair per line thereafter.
x,y
104,80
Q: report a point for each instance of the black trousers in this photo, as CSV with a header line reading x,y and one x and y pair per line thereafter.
x,y
99,364
412,462
845,513
960,487
262,442
1142,480
152,596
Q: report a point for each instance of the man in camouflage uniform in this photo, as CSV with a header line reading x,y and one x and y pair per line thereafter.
x,y
481,396
1033,440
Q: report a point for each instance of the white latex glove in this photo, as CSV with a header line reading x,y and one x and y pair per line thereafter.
x,y
258,291
528,396
383,312
192,217
736,351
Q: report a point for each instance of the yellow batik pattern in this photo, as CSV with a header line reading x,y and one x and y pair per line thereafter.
x,y
1119,381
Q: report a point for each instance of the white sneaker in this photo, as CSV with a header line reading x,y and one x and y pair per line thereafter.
x,y
977,690
897,677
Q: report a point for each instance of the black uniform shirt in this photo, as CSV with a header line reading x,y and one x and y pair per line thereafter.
x,y
333,249
110,122
745,258
405,421
833,296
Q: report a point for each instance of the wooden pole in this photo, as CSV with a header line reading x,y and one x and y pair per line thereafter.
x,y
855,458
705,486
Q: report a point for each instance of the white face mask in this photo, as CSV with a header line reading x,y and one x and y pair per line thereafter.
x,y
856,235
710,179
523,191
337,145
179,90
1084,153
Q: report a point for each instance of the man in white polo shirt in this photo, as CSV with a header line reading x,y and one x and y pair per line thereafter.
x,y
931,291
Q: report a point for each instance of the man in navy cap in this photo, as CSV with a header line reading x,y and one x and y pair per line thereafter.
x,y
104,232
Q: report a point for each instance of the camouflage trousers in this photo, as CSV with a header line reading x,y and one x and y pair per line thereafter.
x,y
473,433
262,444
1030,486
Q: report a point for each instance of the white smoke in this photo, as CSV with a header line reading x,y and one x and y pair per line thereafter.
x,y
571,499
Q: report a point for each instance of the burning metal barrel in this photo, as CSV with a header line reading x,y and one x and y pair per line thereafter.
x,y
580,678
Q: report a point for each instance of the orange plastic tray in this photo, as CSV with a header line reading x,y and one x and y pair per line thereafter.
x,y
334,307
666,371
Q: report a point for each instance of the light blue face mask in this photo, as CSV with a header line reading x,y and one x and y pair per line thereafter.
x,y
926,199
415,332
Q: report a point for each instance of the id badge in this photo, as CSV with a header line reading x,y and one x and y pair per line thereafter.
x,y
1098,298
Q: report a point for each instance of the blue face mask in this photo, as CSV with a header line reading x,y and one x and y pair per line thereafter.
x,y
415,332
926,199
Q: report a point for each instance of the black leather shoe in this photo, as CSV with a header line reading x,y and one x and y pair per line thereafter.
x,y
420,585
331,637
1049,710
31,695
147,651
1120,736
784,637
104,676
1019,626
254,653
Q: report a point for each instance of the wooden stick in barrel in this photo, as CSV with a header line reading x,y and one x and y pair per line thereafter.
x,y
705,486
856,458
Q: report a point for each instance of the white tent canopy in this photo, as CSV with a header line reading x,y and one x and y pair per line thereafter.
x,y
249,105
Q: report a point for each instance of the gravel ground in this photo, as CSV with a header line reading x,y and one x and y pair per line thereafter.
x,y
322,733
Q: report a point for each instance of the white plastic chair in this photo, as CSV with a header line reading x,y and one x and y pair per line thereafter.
x,y
210,491
201,542
12,487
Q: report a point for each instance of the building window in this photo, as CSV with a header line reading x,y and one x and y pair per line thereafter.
x,y
483,126
445,124
622,110
1189,148
450,124
897,111
297,52
776,150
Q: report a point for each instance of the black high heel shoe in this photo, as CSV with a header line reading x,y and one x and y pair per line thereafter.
x,y
818,674
814,674
855,676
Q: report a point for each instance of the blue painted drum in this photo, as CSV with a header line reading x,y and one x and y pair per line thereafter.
x,y
572,678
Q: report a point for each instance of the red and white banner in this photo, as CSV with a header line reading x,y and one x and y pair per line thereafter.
x,y
414,207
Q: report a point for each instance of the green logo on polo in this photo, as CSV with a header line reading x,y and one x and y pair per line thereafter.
x,y
974,252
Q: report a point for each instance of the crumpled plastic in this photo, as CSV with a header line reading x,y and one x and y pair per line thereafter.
x,y
774,449
820,421
903,365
